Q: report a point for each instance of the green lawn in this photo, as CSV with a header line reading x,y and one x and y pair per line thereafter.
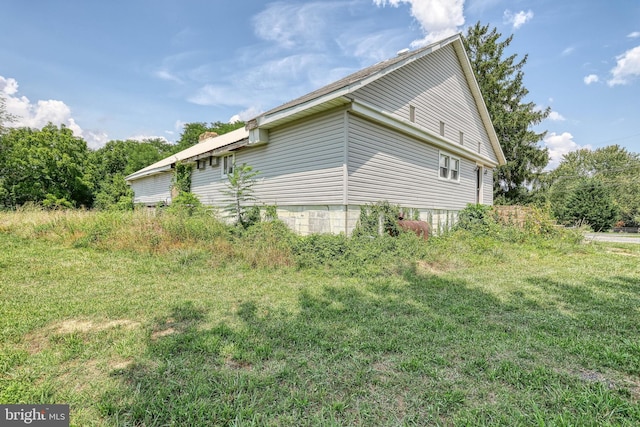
x,y
479,331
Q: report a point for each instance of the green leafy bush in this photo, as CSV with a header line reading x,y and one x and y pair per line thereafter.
x,y
186,203
591,204
377,216
476,218
362,256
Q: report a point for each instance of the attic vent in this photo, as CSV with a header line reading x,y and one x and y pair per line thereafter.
x,y
403,51
206,135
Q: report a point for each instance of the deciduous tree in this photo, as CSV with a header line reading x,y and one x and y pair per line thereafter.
x,y
47,164
110,164
191,132
239,191
617,171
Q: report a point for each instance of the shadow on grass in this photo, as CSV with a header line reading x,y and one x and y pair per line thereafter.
x,y
422,350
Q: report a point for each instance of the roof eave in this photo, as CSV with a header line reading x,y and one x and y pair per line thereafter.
x,y
145,173
340,96
217,151
480,103
388,119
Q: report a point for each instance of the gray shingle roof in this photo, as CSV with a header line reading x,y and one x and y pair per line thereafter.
x,y
356,77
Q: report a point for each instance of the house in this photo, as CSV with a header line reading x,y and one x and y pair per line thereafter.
x,y
413,130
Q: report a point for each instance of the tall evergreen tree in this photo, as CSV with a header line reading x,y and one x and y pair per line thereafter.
x,y
501,82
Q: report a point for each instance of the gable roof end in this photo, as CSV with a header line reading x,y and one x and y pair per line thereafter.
x,y
337,93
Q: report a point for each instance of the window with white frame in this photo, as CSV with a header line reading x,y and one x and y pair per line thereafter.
x,y
227,164
449,167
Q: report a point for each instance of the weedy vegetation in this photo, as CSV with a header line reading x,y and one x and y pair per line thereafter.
x,y
174,318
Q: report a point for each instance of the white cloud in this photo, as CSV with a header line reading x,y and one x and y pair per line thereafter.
x,y
591,78
437,18
558,146
292,25
556,117
268,82
179,125
95,139
245,115
164,74
627,67
39,114
634,35
517,20
8,86
568,51
371,47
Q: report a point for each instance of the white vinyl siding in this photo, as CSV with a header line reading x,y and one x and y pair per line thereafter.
x,y
302,164
387,165
487,187
436,86
153,189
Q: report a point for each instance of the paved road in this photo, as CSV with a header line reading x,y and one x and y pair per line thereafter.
x,y
611,237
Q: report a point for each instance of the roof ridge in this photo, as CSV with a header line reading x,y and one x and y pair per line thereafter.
x,y
357,76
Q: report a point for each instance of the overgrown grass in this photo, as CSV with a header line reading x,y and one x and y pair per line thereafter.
x,y
170,320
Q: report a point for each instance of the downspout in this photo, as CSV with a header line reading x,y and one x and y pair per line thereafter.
x,y
345,173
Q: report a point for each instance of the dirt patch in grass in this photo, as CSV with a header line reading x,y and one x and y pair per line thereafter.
x,y
433,267
87,326
162,333
236,365
39,340
596,377
623,252
120,364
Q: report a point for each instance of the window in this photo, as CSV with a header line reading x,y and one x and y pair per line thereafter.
x,y
449,167
200,163
227,164
455,169
444,166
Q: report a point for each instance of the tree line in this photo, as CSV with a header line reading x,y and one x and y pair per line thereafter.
x,y
52,167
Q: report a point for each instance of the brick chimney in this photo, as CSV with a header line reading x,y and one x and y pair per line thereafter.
x,y
206,135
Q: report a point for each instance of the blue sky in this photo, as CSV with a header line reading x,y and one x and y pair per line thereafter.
x,y
142,68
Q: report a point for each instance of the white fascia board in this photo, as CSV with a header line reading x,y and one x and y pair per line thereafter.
x,y
480,103
390,120
146,173
264,121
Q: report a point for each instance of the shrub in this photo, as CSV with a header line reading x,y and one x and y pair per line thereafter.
x,y
378,215
266,244
363,256
591,203
53,202
186,203
476,218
